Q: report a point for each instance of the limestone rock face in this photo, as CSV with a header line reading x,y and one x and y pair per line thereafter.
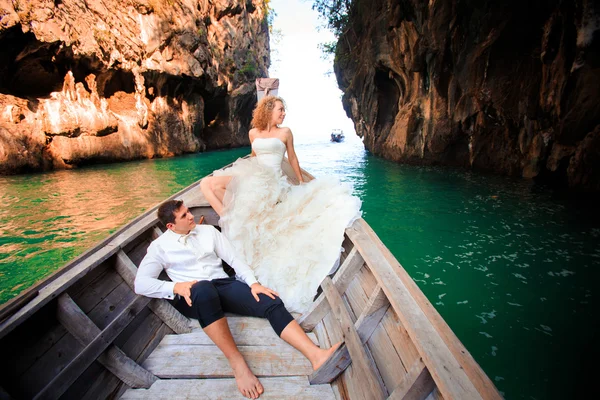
x,y
108,80
505,86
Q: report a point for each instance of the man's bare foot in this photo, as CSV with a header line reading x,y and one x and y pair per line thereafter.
x,y
248,384
324,354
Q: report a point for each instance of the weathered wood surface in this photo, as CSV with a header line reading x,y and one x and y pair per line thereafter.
x,y
416,385
355,298
367,279
386,358
185,361
12,306
347,385
342,279
114,359
365,369
354,389
276,388
329,332
92,351
246,331
156,232
162,331
332,368
165,311
399,337
364,326
376,338
97,291
50,363
210,216
82,285
435,395
348,246
136,251
142,335
34,343
368,327
103,298
152,328
126,268
449,374
372,314
194,355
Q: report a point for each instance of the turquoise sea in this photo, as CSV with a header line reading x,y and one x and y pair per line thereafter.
x,y
511,266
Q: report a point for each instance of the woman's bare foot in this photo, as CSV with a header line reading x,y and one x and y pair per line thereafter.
x,y
248,384
324,354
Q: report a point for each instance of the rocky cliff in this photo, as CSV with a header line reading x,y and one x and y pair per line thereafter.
x,y
511,87
107,80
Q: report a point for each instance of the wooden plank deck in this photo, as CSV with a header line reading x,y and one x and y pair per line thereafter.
x,y
246,331
189,364
276,388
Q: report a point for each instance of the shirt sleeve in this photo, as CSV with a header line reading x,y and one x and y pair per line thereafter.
x,y
146,279
226,252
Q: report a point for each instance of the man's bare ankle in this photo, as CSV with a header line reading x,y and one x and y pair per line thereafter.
x,y
239,364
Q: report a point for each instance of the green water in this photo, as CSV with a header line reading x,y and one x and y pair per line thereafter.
x,y
509,266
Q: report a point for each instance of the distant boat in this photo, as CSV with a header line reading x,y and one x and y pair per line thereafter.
x,y
337,135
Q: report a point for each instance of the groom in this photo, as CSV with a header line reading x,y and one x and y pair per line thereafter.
x,y
191,256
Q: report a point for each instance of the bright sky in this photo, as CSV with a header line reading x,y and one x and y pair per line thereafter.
x,y
314,105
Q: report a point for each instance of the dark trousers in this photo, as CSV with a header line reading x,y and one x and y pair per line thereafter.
x,y
212,299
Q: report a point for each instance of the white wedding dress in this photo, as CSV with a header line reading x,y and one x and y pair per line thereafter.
x,y
291,235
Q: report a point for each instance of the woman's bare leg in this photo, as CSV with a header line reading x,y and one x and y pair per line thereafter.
x,y
213,188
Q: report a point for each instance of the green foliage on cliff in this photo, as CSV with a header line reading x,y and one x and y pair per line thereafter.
x,y
249,69
269,14
328,48
335,14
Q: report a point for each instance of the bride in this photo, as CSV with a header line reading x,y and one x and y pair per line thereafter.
x,y
291,235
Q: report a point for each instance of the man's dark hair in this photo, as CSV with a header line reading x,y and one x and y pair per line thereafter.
x,y
166,211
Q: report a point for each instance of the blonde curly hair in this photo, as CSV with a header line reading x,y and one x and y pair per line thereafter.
x,y
261,116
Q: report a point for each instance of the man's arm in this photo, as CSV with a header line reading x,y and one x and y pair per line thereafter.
x,y
146,282
226,252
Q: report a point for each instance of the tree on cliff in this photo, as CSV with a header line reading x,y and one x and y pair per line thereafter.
x,y
335,14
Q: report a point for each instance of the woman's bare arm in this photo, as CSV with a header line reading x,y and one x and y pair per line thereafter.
x,y
251,136
293,159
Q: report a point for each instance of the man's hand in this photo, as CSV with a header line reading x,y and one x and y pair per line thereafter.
x,y
257,288
184,290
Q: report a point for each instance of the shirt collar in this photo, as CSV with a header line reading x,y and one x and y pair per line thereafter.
x,y
182,238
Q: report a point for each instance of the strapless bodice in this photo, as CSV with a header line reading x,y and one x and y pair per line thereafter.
x,y
269,152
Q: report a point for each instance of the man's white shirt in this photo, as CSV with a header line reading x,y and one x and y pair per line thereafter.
x,y
193,257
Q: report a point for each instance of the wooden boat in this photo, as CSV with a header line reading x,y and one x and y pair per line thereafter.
x,y
83,333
